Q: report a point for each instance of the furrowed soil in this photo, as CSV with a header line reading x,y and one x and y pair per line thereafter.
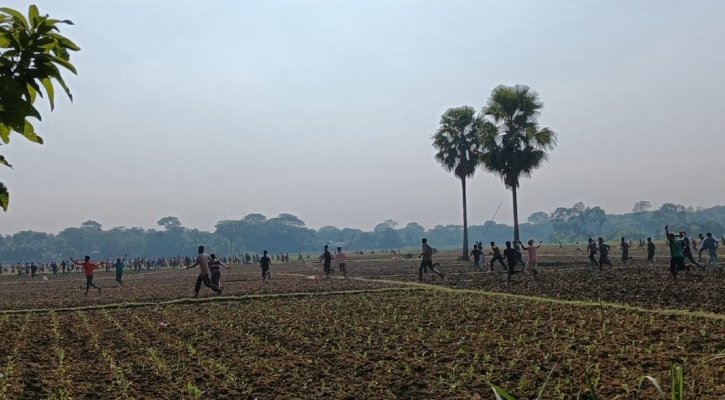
x,y
345,339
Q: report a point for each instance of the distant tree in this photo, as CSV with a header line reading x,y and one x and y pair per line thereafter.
x,y
538,217
169,223
457,143
412,233
641,206
31,49
90,224
389,222
671,213
254,218
514,145
290,220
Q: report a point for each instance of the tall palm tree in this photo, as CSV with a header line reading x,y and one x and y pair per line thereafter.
x,y
513,144
457,142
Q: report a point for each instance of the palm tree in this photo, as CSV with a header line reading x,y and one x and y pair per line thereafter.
x,y
513,144
457,142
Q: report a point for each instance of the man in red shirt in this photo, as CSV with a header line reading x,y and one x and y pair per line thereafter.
x,y
88,268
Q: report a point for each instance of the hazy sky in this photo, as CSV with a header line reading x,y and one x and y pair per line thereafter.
x,y
325,109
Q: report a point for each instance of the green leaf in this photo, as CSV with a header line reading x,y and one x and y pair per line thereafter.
x,y
501,394
64,63
5,40
33,14
4,162
48,85
64,41
65,87
33,93
4,197
4,133
29,133
16,16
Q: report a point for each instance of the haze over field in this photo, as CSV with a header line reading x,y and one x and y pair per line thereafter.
x,y
325,109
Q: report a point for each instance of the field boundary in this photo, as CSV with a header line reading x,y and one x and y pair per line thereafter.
x,y
214,299
577,303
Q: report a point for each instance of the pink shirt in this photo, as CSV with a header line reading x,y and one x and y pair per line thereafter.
x,y
532,253
340,258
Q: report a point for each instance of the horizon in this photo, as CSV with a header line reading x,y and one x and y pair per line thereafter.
x,y
325,110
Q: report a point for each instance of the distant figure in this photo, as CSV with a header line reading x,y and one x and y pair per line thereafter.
x,y
88,267
202,260
496,256
510,254
710,244
119,270
477,256
578,249
625,251
215,269
687,251
265,263
340,260
427,262
299,258
532,262
603,254
677,258
326,258
650,251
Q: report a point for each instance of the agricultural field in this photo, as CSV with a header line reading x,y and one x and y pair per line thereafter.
x,y
378,335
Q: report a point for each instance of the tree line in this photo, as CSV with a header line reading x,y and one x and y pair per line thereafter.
x,y
287,233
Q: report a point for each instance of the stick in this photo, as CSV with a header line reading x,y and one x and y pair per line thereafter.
x,y
489,225
350,242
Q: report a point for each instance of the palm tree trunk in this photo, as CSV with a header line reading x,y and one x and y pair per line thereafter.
x,y
465,220
516,215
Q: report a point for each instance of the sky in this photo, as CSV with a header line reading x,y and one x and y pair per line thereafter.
x,y
325,109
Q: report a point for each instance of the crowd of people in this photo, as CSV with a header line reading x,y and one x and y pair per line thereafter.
x,y
680,248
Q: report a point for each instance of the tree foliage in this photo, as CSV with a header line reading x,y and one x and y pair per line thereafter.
x,y
32,50
457,143
514,145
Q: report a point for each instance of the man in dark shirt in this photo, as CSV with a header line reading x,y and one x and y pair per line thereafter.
x,y
476,253
603,254
592,250
326,258
427,261
687,250
496,256
510,254
264,263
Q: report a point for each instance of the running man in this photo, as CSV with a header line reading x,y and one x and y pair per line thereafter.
x,y
592,250
710,244
215,270
496,256
477,254
687,251
264,263
120,264
88,268
326,258
603,254
427,262
625,251
677,258
510,254
532,262
202,260
340,260
650,251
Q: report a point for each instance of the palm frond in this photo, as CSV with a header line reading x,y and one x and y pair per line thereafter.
x,y
457,141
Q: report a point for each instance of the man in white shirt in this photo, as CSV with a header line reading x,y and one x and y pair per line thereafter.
x,y
202,260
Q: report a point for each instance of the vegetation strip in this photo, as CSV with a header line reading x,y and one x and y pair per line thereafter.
x,y
600,304
204,300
